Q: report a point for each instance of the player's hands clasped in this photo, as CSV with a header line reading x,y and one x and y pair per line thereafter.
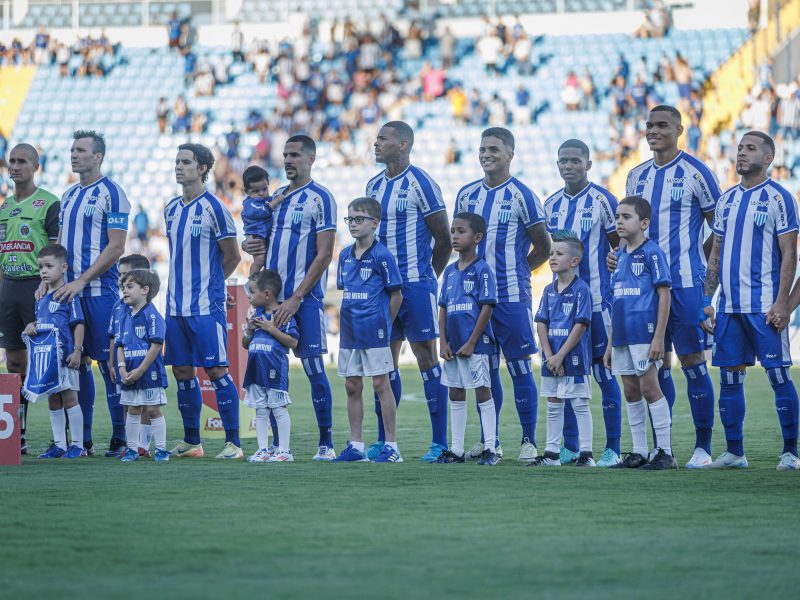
x,y
778,315
555,364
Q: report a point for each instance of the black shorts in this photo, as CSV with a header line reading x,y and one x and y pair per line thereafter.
x,y
17,309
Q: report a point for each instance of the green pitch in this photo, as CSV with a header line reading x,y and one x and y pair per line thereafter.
x,y
202,528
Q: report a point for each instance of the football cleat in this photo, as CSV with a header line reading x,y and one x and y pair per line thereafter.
x,y
475,452
350,454
548,459
585,459
447,457
489,458
567,456
433,453
660,462
161,455
53,451
144,452
789,462
230,452
609,458
727,460
281,456
324,453
374,450
23,445
186,450
388,455
700,458
116,448
130,455
527,452
261,455
632,460
75,452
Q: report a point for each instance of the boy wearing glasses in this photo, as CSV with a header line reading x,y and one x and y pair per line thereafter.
x,y
371,281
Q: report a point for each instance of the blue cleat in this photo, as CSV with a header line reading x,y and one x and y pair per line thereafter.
x,y
567,456
489,458
130,455
350,454
53,452
433,454
374,450
161,455
75,452
388,455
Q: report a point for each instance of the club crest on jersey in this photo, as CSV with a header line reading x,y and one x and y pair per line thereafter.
x,y
468,285
37,203
586,223
642,365
567,307
297,214
402,200
365,273
676,193
140,331
760,218
637,268
196,228
41,360
53,306
24,230
504,215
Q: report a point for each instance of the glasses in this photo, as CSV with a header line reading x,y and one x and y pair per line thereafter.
x,y
358,220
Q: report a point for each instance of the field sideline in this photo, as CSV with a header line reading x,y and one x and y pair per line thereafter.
x,y
99,528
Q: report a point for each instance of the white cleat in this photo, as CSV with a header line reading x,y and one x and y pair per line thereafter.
x,y
325,454
726,460
789,462
281,456
260,456
527,452
699,459
475,452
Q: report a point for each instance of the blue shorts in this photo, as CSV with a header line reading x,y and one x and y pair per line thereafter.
x,y
418,317
310,318
200,341
512,323
601,321
96,317
683,326
740,338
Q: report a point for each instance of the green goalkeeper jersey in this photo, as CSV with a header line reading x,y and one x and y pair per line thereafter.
x,y
25,228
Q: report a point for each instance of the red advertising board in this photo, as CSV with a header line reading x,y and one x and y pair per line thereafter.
x,y
9,419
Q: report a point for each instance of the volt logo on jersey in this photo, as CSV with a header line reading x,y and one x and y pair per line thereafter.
x,y
365,273
637,268
760,218
468,285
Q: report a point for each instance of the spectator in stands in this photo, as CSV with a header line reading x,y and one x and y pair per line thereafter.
x,y
237,43
619,97
490,48
623,68
498,111
588,91
753,15
571,92
432,81
789,112
413,44
142,225
447,48
694,136
182,115
637,96
369,54
162,114
665,68
458,103
683,76
477,109
199,121
522,108
522,50
174,30
204,81
41,44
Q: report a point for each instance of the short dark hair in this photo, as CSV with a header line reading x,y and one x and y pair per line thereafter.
x,y
57,251
474,220
764,138
309,146
201,154
252,174
135,261
667,109
640,206
98,140
269,280
368,205
501,133
144,277
33,154
402,130
577,144
568,237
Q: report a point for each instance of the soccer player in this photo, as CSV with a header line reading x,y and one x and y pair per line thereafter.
x,y
28,221
563,318
683,193
94,226
514,220
56,341
266,380
372,284
588,210
203,254
256,211
300,250
754,258
635,349
138,342
468,297
415,229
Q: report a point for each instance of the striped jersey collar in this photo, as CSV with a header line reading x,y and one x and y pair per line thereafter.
x,y
87,186
398,176
767,181
288,193
193,200
497,187
669,164
579,194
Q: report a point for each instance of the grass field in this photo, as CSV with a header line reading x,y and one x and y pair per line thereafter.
x,y
201,528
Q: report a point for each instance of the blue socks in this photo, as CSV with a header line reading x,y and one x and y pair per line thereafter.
x,y
570,428
115,409
497,395
436,397
612,405
86,401
732,408
525,397
701,400
228,406
667,386
397,390
190,401
321,397
274,425
786,403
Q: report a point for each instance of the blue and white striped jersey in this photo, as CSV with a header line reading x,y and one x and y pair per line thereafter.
x,y
508,209
196,278
303,214
750,222
87,214
406,200
591,215
681,193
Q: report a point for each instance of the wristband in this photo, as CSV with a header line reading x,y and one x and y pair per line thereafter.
x,y
703,317
706,301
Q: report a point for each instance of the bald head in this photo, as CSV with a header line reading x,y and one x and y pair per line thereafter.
x,y
27,151
23,162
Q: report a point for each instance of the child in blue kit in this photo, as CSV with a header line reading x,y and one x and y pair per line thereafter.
x,y
563,321
266,380
256,211
466,302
